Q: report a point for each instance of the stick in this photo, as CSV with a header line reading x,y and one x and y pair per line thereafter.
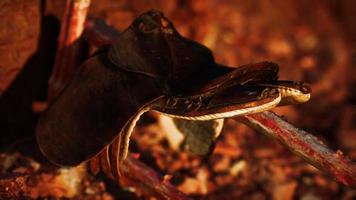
x,y
68,55
304,145
147,181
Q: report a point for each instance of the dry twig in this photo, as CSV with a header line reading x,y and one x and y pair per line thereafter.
x,y
304,145
68,55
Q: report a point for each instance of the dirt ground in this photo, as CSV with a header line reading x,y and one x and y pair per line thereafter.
x,y
312,41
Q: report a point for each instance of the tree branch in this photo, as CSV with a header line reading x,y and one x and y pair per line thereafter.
x,y
69,48
147,181
304,145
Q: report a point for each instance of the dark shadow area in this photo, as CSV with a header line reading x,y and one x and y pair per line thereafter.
x,y
17,118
